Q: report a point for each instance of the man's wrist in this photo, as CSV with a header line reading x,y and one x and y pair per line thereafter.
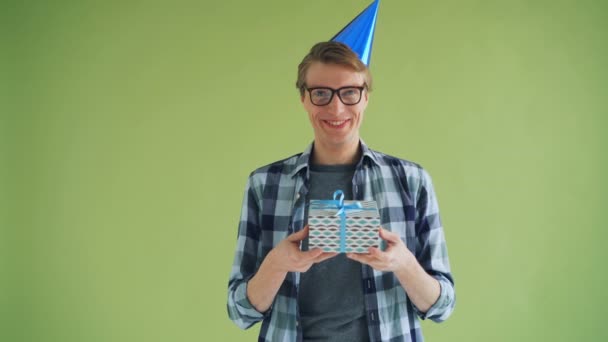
x,y
271,267
408,267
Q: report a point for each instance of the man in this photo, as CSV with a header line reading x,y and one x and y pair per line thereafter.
x,y
301,294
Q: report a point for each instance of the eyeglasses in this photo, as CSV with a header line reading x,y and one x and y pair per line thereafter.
x,y
322,96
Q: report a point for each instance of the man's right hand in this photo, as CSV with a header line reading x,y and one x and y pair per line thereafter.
x,y
284,257
287,256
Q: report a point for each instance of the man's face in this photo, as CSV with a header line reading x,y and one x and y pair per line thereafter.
x,y
335,124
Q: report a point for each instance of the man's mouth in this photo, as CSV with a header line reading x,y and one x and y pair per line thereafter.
x,y
336,123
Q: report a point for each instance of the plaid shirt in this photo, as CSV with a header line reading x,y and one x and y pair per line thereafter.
x,y
273,207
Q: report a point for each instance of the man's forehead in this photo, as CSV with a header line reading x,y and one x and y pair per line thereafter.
x,y
331,72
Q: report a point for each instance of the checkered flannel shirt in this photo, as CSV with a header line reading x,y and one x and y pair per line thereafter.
x,y
273,207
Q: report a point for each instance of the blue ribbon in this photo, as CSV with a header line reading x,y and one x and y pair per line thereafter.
x,y
342,209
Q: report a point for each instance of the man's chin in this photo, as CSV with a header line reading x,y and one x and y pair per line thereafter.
x,y
340,142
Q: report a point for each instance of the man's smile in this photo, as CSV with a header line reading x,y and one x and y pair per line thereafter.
x,y
336,123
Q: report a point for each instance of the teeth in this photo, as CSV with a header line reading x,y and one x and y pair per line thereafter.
x,y
336,123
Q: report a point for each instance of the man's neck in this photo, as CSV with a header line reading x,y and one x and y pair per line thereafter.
x,y
339,155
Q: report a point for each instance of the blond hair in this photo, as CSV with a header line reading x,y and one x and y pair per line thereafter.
x,y
332,53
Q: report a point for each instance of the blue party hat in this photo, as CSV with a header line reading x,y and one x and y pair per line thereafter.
x,y
359,33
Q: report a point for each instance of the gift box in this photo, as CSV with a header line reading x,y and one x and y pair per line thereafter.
x,y
343,226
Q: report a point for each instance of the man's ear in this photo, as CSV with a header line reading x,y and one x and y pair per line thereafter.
x,y
366,99
302,97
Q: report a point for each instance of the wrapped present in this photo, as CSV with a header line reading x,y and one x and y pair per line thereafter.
x,y
343,226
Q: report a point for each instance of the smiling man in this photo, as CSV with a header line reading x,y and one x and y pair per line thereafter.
x,y
305,295
335,95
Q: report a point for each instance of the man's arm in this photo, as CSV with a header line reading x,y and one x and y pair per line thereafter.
x,y
422,289
285,257
427,281
246,259
254,283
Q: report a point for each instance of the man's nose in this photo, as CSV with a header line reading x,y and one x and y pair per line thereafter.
x,y
335,105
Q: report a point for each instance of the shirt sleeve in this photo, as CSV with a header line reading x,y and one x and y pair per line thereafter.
x,y
433,254
245,264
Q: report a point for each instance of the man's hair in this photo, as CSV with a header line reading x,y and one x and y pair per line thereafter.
x,y
332,53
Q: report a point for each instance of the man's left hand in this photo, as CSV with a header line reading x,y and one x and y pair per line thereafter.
x,y
396,256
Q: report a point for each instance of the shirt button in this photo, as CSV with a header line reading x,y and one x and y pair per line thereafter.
x,y
297,323
298,195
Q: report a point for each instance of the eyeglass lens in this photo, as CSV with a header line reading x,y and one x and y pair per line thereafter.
x,y
323,96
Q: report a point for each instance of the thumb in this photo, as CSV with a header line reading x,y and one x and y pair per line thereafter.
x,y
299,235
389,236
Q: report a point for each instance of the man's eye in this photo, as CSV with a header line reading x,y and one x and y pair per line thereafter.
x,y
320,93
349,92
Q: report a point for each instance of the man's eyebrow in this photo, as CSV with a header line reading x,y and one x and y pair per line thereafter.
x,y
346,86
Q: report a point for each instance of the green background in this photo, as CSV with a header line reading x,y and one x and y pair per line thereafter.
x,y
128,130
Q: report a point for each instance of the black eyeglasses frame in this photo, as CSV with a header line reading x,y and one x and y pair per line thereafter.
x,y
336,91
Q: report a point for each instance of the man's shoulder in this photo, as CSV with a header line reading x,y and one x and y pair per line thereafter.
x,y
387,160
284,166
408,171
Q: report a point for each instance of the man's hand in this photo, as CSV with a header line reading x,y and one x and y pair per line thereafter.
x,y
284,257
395,258
287,256
422,289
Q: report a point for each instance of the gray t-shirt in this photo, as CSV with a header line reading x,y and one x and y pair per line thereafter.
x,y
331,292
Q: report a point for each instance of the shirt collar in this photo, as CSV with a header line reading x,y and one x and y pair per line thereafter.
x,y
303,160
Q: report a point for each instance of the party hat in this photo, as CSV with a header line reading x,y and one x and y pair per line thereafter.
x,y
359,33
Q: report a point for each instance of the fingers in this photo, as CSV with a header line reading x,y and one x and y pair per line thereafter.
x,y
311,254
375,252
362,258
374,257
307,259
389,236
299,235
